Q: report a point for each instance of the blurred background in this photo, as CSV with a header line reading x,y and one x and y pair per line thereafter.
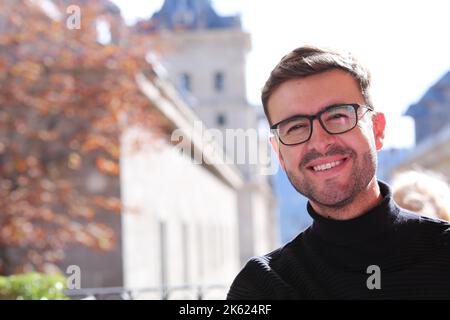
x,y
92,94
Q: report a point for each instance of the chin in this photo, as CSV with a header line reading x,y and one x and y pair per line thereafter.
x,y
335,203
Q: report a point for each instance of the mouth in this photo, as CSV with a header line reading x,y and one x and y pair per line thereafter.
x,y
328,165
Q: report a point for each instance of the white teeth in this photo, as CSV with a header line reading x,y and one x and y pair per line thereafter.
x,y
327,166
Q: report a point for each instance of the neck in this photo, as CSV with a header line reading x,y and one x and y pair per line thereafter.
x,y
362,203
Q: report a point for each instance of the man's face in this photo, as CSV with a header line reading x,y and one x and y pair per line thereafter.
x,y
353,153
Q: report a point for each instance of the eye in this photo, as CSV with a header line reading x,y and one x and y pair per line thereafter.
x,y
338,116
296,127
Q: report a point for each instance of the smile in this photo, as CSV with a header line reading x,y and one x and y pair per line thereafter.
x,y
327,166
331,164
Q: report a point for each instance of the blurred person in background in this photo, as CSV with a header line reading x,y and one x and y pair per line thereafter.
x,y
423,192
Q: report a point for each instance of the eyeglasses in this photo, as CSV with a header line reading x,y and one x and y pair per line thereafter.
x,y
335,119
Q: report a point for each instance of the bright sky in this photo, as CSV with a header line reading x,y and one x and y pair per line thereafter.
x,y
404,43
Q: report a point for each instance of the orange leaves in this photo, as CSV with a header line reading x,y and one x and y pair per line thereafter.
x,y
27,70
98,142
19,230
95,142
86,213
27,231
130,66
2,64
94,235
30,166
62,85
108,203
109,50
62,96
21,165
46,135
74,161
47,185
105,238
80,235
46,214
107,166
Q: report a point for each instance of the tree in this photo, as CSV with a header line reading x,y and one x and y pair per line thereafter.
x,y
65,98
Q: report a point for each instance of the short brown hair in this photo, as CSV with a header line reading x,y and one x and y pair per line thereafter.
x,y
308,60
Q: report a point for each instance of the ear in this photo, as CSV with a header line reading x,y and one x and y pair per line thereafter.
x,y
379,126
276,148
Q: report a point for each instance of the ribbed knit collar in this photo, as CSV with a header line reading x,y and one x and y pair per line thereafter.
x,y
375,221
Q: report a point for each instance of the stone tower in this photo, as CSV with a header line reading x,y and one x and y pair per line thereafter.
x,y
205,55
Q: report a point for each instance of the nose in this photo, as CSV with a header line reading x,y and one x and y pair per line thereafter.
x,y
320,140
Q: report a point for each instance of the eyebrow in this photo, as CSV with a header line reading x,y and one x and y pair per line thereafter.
x,y
307,115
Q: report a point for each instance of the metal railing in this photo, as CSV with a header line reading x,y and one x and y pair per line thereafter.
x,y
120,293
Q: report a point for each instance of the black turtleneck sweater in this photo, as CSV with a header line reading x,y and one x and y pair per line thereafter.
x,y
330,259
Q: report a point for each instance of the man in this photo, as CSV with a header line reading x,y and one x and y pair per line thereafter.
x,y
361,245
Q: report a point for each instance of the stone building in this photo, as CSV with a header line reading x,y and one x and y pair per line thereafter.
x,y
432,113
204,55
432,124
184,230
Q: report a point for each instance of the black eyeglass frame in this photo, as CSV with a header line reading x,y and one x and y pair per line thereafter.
x,y
356,106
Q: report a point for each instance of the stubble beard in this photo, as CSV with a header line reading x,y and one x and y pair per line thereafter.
x,y
334,194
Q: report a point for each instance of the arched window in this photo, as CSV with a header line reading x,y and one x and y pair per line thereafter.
x,y
221,120
219,81
185,82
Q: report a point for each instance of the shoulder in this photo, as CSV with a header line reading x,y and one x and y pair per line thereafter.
x,y
428,228
270,262
407,217
262,278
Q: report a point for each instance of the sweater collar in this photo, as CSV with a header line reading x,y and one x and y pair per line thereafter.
x,y
375,221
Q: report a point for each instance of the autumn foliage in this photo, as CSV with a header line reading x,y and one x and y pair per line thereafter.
x,y
64,100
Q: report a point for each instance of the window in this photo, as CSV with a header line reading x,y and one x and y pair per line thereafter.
x,y
185,246
219,81
163,255
201,252
185,82
221,121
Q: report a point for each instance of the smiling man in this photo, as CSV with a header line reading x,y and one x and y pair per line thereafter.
x,y
361,245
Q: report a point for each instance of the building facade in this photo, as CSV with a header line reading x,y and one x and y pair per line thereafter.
x,y
432,124
432,113
204,55
180,231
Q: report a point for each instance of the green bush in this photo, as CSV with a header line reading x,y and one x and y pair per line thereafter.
x,y
33,286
